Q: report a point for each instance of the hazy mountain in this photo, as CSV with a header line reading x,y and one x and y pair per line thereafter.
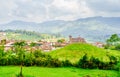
x,y
92,28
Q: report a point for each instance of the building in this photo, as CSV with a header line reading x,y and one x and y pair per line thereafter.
x,y
46,46
76,40
98,44
9,45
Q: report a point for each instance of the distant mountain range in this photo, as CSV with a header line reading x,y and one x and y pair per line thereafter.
x,y
92,28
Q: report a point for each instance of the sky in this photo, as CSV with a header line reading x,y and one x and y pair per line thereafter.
x,y
46,10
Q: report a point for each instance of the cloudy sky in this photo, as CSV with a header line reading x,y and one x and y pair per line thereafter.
x,y
44,10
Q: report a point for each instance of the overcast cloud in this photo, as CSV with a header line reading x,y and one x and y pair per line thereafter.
x,y
44,10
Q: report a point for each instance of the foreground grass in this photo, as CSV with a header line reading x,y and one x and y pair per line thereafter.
x,y
12,71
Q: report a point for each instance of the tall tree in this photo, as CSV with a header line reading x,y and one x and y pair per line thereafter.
x,y
20,51
113,39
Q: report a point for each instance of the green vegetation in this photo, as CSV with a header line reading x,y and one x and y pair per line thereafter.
x,y
20,51
55,72
74,52
74,55
18,55
28,35
117,47
114,39
118,66
113,42
87,56
80,55
61,40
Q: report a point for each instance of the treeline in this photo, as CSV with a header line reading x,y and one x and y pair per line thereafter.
x,y
18,55
29,33
33,33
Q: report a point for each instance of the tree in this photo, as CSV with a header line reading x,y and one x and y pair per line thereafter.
x,y
113,42
21,56
117,47
20,44
83,62
113,39
61,40
33,44
1,54
1,51
2,42
29,59
20,51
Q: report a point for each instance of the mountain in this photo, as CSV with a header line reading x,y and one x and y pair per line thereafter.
x,y
92,28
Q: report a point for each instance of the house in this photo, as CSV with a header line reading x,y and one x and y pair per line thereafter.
x,y
76,40
98,44
9,45
42,45
47,46
59,44
2,33
29,48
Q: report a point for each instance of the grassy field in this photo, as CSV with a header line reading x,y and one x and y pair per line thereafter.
x,y
12,71
74,52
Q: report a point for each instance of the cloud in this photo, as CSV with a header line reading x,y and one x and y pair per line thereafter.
x,y
45,1
105,5
69,9
43,10
5,10
29,10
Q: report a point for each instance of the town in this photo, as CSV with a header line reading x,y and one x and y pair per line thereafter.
x,y
45,45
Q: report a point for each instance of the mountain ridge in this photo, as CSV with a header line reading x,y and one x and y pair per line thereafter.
x,y
92,28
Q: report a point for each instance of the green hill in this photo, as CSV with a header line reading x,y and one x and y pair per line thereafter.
x,y
27,35
74,52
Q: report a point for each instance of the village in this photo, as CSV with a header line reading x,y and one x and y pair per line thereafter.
x,y
47,46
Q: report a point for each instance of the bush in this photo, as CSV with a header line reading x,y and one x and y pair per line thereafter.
x,y
66,63
117,47
96,63
91,63
83,63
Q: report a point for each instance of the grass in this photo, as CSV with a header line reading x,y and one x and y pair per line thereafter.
x,y
18,36
32,37
74,52
12,71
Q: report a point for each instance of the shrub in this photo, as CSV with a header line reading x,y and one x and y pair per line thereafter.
x,y
96,63
83,62
66,63
117,47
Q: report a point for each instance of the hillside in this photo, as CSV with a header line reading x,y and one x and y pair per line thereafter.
x,y
92,28
74,52
27,35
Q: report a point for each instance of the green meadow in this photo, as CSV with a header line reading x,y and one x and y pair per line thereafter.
x,y
12,71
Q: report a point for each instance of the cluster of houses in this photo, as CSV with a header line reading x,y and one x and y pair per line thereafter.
x,y
48,46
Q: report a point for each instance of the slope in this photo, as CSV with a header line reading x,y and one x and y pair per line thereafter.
x,y
74,52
